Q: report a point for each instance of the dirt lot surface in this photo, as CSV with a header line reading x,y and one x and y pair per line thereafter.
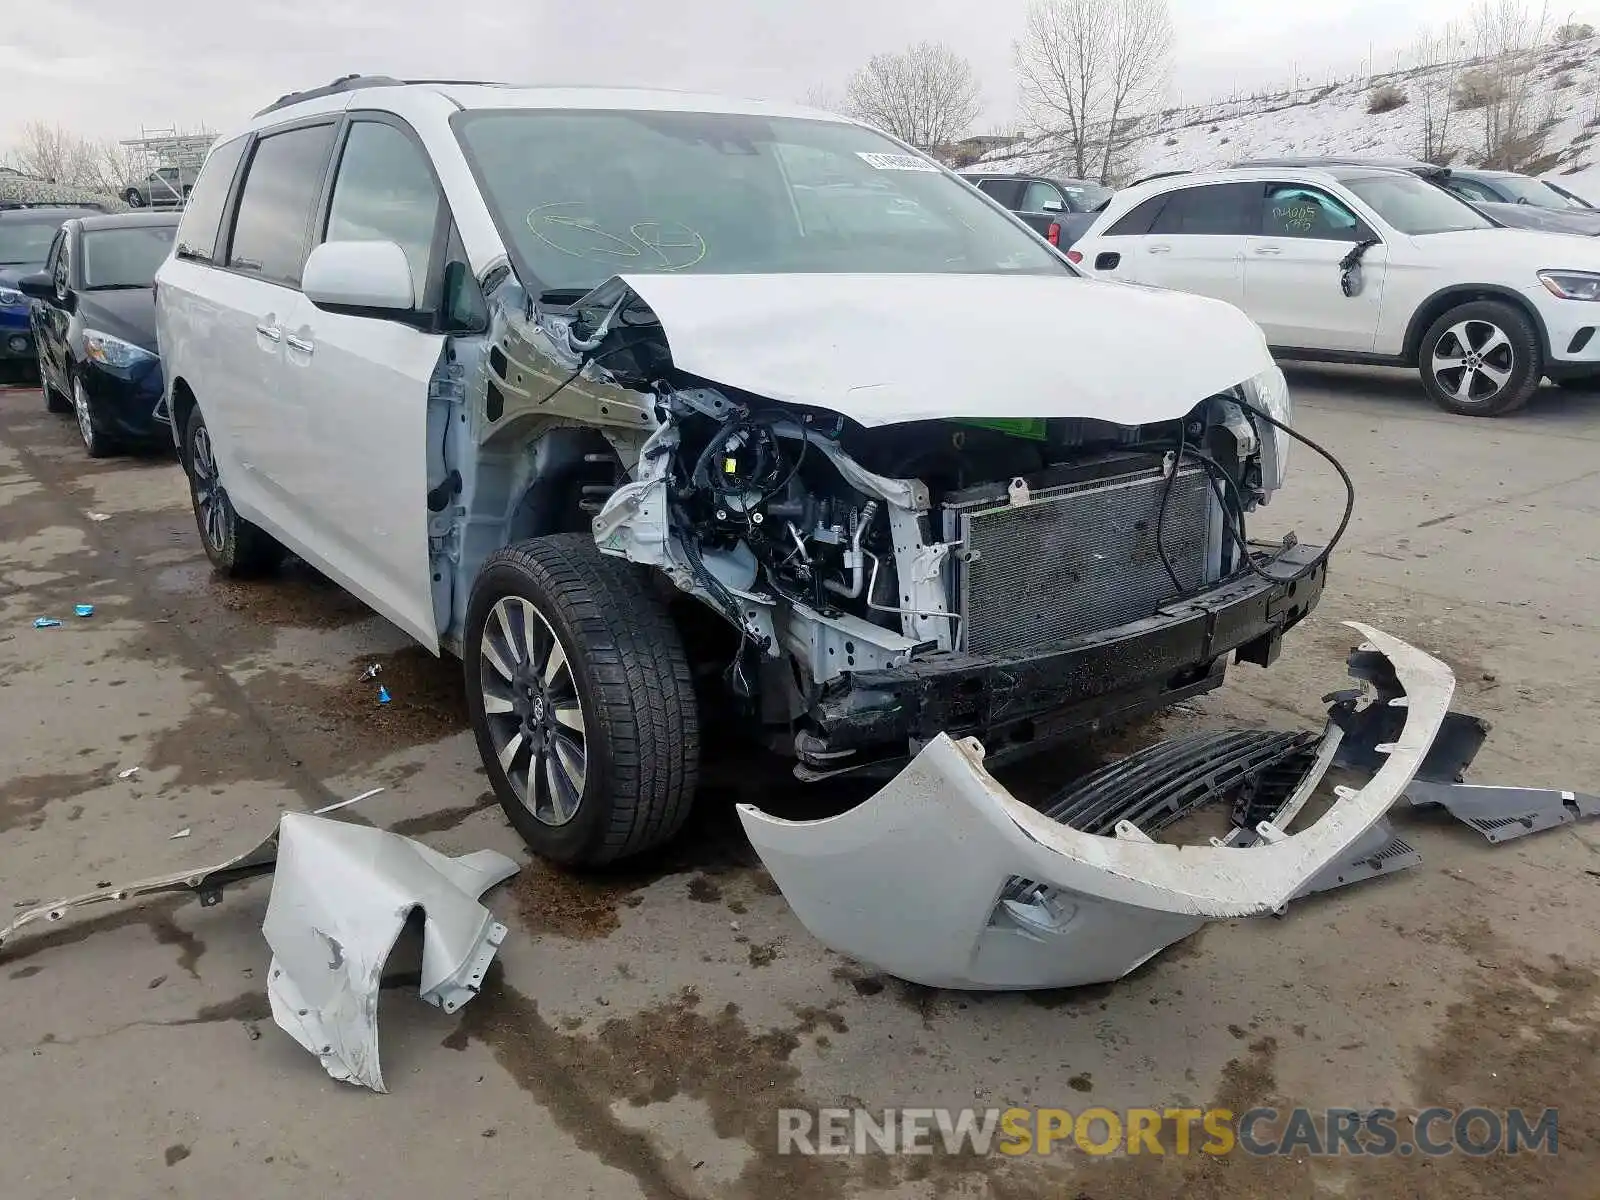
x,y
641,1030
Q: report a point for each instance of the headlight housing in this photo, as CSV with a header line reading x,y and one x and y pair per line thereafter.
x,y
112,352
10,298
1571,285
1269,392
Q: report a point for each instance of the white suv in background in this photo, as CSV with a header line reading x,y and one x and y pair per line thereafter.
x,y
1367,265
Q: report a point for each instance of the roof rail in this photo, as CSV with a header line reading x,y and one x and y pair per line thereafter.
x,y
1159,175
1414,166
345,83
350,83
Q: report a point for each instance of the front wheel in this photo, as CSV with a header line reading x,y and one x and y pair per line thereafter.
x,y
237,549
95,440
54,401
581,701
1482,359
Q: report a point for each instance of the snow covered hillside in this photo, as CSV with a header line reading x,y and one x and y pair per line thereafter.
x,y
1333,119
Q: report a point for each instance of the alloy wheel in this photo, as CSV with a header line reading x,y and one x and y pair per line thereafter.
x,y
533,710
1473,361
210,501
80,409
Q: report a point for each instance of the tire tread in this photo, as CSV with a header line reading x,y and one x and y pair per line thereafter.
x,y
640,677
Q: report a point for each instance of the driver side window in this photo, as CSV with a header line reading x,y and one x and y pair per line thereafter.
x,y
63,268
53,259
1038,195
1296,211
385,192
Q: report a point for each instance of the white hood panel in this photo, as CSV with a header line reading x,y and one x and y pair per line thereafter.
x,y
1522,252
884,349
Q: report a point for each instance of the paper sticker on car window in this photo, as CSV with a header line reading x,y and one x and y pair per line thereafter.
x,y
895,162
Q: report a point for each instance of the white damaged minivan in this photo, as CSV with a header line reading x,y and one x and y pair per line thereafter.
x,y
663,411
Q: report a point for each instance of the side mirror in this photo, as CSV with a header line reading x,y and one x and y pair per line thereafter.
x,y
360,278
39,286
1052,206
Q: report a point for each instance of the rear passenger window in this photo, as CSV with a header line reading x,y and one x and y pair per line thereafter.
x,y
202,215
385,192
1138,221
1006,191
272,233
1229,209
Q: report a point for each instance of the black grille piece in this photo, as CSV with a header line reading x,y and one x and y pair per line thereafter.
x,y
1160,784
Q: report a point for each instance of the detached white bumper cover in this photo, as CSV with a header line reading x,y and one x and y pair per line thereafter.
x,y
911,881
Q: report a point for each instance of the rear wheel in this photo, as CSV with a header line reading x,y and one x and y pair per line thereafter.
x,y
581,701
134,197
236,548
1482,359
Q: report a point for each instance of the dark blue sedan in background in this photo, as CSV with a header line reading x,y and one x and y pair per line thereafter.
x,y
94,320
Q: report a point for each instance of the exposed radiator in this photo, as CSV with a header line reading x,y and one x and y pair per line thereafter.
x,y
1077,558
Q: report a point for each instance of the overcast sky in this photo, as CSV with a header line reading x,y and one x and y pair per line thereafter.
x,y
106,67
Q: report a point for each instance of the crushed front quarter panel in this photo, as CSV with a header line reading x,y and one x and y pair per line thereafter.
x,y
911,880
340,898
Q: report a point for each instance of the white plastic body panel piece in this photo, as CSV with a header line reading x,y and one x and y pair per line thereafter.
x,y
340,897
911,881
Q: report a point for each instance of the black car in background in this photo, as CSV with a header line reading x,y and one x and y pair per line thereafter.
x,y
1057,209
26,232
1569,213
94,319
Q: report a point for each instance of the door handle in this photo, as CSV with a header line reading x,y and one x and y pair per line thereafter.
x,y
304,345
271,332
1269,249
1162,249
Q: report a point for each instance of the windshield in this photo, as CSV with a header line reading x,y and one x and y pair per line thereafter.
x,y
1085,196
1415,207
581,196
1533,191
25,243
125,258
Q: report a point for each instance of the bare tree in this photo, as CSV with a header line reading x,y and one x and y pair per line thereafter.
x,y
926,95
1507,35
57,155
825,97
1438,54
1088,70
